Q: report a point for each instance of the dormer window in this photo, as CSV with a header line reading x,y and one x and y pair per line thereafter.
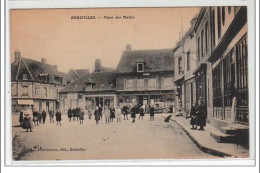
x,y
25,77
89,87
140,65
90,84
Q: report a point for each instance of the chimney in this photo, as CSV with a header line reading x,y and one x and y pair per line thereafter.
x,y
128,47
55,66
17,56
97,65
43,60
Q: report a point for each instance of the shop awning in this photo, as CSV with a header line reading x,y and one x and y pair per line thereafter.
x,y
25,102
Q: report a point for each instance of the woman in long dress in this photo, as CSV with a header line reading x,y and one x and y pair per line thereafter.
x,y
27,123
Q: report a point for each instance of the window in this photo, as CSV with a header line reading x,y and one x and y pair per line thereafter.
x,y
188,61
24,90
198,43
206,37
180,65
168,83
152,83
37,90
145,84
219,21
44,91
217,99
223,16
140,84
228,83
140,67
25,77
202,46
89,87
129,84
212,28
14,89
242,81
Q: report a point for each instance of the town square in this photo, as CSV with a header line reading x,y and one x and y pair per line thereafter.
x,y
130,92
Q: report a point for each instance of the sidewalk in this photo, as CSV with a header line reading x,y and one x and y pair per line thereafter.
x,y
207,144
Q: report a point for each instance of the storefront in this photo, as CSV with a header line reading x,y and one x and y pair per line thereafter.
x,y
91,101
146,97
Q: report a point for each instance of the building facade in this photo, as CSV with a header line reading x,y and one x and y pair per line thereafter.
x,y
229,63
185,64
221,73
90,90
145,77
35,83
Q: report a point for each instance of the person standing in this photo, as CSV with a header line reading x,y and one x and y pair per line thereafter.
x,y
202,115
100,111
43,116
51,114
81,116
193,116
40,116
107,114
112,113
36,117
141,111
118,114
27,123
89,113
125,111
21,118
58,116
97,114
69,114
151,113
74,114
133,113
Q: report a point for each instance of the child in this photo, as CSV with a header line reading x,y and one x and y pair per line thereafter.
x,y
107,114
118,114
81,116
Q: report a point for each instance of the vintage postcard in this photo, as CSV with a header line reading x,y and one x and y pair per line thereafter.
x,y
130,84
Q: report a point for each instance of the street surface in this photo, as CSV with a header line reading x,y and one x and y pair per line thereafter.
x,y
118,140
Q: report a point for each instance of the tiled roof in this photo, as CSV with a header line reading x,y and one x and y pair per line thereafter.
x,y
103,81
154,60
76,73
34,70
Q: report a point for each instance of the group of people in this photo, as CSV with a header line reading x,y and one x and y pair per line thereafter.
x,y
198,116
29,118
76,113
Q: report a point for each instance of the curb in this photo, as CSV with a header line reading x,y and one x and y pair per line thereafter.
x,y
203,148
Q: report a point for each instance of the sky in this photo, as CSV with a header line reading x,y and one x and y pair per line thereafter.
x,y
76,43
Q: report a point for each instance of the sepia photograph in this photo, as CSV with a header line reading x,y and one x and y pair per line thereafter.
x,y
130,83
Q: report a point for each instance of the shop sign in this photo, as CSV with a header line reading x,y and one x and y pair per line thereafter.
x,y
147,92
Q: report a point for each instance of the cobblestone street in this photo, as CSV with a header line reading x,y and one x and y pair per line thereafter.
x,y
117,140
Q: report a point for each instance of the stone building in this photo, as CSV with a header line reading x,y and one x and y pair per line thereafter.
x,y
145,77
35,83
90,90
